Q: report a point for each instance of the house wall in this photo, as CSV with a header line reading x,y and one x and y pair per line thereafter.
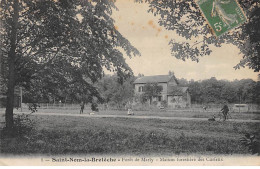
x,y
179,101
176,102
137,87
188,99
172,82
163,92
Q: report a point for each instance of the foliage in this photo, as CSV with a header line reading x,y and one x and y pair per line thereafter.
x,y
183,82
154,103
256,92
142,98
151,90
164,103
23,125
59,48
184,17
202,92
251,143
94,107
33,107
219,91
115,93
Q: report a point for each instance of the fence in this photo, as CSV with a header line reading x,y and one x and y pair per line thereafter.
x,y
65,106
217,107
58,106
193,108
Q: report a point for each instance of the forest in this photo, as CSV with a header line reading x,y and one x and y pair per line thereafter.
x,y
206,91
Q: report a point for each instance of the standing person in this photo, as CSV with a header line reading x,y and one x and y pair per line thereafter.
x,y
129,109
105,106
82,105
205,108
225,111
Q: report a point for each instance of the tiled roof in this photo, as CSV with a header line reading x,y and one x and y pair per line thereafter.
x,y
153,79
174,90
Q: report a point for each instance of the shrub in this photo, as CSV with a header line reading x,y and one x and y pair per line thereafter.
x,y
33,107
177,106
154,103
23,125
251,143
164,103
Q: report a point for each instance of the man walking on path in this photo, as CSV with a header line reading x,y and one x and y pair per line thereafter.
x,y
225,111
82,105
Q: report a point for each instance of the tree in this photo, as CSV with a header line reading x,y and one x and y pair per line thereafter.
x,y
211,90
114,93
195,90
245,90
184,17
228,92
59,47
151,90
256,97
183,82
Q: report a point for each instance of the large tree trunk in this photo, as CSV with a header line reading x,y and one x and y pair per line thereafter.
x,y
11,65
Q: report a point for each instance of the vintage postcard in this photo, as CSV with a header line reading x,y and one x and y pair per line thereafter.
x,y
129,83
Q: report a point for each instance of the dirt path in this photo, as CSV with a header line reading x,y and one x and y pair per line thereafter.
x,y
136,117
121,116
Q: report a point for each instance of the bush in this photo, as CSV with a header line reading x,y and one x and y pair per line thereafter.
x,y
94,107
177,106
23,125
164,103
251,143
154,103
33,107
140,107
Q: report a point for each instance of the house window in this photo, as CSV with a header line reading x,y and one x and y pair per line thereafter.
x,y
140,89
159,98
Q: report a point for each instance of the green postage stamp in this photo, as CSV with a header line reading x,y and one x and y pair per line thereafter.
x,y
222,15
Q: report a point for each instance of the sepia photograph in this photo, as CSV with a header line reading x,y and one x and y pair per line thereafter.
x,y
130,82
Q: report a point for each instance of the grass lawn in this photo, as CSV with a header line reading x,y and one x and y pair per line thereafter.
x,y
56,135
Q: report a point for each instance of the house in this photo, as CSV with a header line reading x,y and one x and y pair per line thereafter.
x,y
174,95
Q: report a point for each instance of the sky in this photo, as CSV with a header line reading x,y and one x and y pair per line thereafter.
x,y
143,31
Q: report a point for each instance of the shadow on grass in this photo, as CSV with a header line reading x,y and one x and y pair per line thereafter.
x,y
113,141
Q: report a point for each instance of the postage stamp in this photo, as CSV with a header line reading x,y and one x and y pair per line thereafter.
x,y
222,15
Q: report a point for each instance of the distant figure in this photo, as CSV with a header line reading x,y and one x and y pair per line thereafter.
x,y
212,119
129,109
105,106
82,105
94,108
225,111
205,108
